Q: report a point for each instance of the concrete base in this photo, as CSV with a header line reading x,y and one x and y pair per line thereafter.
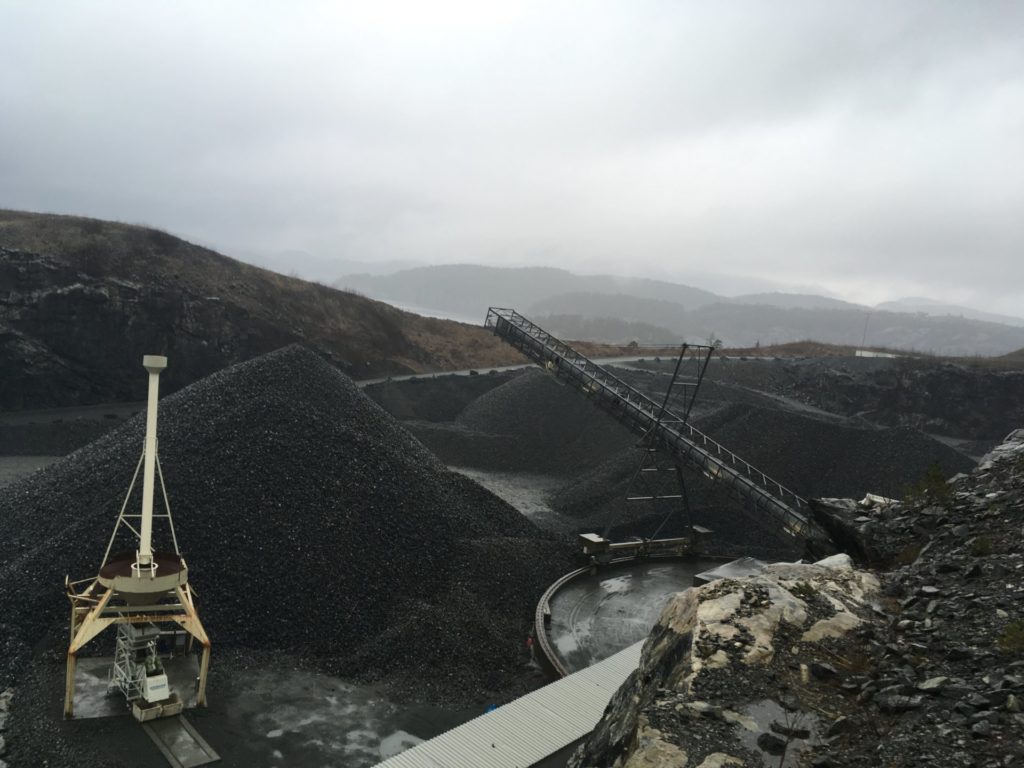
x,y
92,699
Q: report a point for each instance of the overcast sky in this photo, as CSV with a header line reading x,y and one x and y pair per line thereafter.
x,y
870,150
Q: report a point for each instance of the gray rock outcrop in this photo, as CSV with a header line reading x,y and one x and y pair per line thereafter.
x,y
735,671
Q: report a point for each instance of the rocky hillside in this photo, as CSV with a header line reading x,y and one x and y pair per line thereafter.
x,y
81,300
918,663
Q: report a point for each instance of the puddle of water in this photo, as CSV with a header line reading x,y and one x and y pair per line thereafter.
x,y
767,712
297,718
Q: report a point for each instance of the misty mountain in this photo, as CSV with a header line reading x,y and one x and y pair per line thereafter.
x,y
615,331
619,310
469,289
316,267
939,309
655,315
795,301
739,325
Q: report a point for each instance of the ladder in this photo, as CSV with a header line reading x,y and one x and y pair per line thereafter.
x,y
689,447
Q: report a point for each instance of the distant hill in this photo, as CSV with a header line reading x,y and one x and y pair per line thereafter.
x,y
650,319
81,300
939,309
603,308
795,301
469,289
606,330
317,267
744,325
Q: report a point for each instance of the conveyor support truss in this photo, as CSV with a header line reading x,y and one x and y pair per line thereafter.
x,y
785,510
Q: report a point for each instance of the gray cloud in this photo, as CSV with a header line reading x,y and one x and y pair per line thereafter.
x,y
870,149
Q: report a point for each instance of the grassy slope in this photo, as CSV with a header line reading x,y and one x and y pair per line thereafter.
x,y
331,319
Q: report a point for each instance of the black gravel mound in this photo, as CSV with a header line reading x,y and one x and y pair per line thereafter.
x,y
819,458
311,521
546,426
813,457
434,398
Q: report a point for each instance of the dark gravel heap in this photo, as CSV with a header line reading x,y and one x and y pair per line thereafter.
x,y
815,457
532,423
978,402
312,523
535,423
812,456
435,398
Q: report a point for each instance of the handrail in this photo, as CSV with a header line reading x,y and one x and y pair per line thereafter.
x,y
714,459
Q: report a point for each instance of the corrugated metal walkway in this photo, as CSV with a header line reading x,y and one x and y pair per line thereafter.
x,y
530,728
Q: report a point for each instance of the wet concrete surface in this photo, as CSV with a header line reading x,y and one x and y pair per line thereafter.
x,y
282,717
597,615
275,715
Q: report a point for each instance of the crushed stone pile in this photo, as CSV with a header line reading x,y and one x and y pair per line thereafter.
x,y
531,423
821,458
312,523
437,398
979,402
813,457
535,423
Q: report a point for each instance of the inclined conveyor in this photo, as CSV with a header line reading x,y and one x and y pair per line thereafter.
x,y
688,446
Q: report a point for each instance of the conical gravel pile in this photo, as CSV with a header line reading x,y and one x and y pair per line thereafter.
x,y
311,522
544,425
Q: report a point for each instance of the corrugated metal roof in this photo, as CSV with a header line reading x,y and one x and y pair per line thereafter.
x,y
530,728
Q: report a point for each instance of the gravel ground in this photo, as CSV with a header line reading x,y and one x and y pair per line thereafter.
x,y
312,522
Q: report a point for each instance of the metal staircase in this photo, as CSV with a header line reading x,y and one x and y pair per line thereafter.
x,y
690,448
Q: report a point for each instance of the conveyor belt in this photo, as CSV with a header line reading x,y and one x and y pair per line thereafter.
x,y
691,448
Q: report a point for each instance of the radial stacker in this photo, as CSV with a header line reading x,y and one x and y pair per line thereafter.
x,y
145,594
663,431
